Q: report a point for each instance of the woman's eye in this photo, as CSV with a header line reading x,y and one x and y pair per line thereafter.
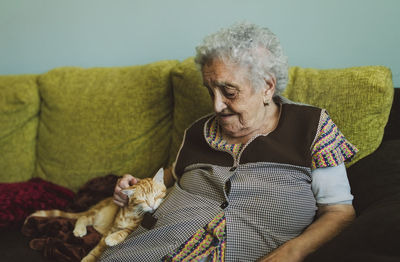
x,y
228,92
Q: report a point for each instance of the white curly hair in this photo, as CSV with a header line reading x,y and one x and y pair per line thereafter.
x,y
251,46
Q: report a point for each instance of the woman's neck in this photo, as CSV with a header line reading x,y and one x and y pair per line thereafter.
x,y
268,124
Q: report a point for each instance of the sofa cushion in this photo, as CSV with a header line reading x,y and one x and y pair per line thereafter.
x,y
191,101
392,129
372,237
376,177
19,107
99,121
357,99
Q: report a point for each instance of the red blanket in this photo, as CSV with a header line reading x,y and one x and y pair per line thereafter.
x,y
54,237
18,200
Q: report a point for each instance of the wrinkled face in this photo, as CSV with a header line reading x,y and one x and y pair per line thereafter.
x,y
147,195
238,107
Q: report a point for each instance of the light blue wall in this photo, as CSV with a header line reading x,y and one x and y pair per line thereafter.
x,y
37,35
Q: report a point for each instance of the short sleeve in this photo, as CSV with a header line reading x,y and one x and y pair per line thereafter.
x,y
331,186
330,147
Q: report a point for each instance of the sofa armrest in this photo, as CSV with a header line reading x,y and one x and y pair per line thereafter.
x,y
373,236
392,129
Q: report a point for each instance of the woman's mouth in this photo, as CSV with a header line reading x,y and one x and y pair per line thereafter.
x,y
224,116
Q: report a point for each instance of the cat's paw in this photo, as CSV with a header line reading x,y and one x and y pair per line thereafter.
x,y
112,240
80,231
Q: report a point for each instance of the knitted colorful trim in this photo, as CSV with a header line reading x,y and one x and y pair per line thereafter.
x,y
214,138
208,241
331,148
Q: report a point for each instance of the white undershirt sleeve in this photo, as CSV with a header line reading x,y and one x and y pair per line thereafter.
x,y
331,186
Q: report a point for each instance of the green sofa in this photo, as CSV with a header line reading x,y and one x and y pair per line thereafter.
x,y
71,124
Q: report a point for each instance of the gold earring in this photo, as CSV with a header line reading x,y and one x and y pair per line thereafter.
x,y
266,101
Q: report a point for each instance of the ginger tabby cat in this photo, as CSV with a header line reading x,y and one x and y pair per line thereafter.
x,y
113,222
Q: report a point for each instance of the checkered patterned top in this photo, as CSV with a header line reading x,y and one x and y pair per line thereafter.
x,y
265,193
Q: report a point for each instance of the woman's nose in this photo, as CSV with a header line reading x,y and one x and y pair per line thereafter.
x,y
219,103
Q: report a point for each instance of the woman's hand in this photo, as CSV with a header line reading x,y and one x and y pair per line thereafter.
x,y
285,253
127,180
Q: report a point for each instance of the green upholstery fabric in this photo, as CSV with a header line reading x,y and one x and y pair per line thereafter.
x,y
358,100
104,120
191,99
19,107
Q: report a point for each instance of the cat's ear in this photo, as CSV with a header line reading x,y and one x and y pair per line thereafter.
x,y
159,177
128,192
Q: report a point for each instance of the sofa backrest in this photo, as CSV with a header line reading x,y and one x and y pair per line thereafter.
x,y
19,118
72,124
100,121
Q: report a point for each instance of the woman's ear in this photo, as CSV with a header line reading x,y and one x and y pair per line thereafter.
x,y
270,83
269,90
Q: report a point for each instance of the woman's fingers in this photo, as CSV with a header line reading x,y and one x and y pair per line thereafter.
x,y
126,181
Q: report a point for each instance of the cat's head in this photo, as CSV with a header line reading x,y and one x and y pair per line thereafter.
x,y
148,193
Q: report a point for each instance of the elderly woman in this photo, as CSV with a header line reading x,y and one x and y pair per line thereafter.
x,y
260,179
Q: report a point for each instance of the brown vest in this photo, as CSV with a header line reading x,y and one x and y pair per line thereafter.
x,y
290,143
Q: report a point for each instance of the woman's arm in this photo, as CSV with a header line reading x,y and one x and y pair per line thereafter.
x,y
331,219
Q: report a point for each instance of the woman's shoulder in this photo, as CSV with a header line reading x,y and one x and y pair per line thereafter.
x,y
199,123
297,106
198,127
298,113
